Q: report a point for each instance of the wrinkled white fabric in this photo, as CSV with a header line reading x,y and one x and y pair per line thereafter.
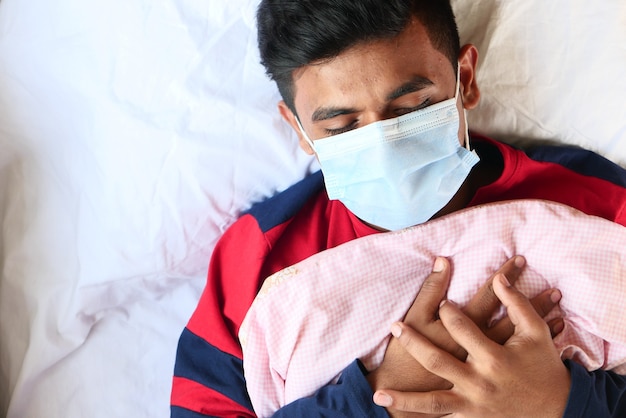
x,y
133,132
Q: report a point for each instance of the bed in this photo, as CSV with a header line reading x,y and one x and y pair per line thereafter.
x,y
134,132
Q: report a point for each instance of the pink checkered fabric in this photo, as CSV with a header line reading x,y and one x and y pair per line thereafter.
x,y
311,320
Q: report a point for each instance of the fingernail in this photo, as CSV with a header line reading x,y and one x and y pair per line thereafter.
x,y
520,261
555,296
396,330
447,302
382,399
439,265
558,327
504,280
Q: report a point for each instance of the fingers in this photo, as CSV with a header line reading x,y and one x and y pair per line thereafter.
x,y
436,403
434,359
466,333
519,309
543,304
546,301
482,306
423,314
433,291
556,326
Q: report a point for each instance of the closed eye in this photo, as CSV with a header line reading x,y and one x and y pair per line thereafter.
x,y
397,112
405,110
351,126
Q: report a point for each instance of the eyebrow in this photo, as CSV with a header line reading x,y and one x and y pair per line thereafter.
x,y
417,83
325,113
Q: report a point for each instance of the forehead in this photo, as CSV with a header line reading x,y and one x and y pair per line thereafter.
x,y
366,73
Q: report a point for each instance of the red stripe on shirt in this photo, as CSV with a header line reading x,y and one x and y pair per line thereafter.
x,y
195,397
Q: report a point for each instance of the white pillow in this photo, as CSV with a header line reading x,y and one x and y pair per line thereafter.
x,y
550,70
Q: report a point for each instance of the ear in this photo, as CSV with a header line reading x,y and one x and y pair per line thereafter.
x,y
468,60
290,118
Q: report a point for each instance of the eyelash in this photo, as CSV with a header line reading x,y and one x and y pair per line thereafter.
x,y
422,105
338,131
331,132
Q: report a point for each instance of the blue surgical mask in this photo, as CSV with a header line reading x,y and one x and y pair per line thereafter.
x,y
397,172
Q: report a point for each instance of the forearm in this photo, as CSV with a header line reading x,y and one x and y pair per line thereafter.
x,y
351,396
595,394
207,381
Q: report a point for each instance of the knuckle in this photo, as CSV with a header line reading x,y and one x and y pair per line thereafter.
x,y
540,330
454,348
404,403
456,323
489,292
486,386
409,345
437,405
487,389
432,284
434,362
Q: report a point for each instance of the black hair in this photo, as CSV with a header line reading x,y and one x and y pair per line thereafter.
x,y
296,33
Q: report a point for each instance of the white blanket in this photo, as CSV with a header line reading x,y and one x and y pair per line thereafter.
x,y
134,132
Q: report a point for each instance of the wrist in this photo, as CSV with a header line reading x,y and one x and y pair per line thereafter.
x,y
561,397
406,379
373,379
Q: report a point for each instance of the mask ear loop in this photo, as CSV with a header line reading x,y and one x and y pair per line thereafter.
x,y
456,95
306,137
467,136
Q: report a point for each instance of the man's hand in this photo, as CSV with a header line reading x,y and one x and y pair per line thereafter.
x,y
399,370
524,377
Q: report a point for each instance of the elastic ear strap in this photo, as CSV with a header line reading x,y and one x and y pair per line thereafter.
x,y
467,137
306,137
458,80
458,88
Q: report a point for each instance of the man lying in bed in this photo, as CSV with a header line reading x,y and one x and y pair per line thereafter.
x,y
354,75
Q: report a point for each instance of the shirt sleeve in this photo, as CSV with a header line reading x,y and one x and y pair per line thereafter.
x,y
208,373
595,394
351,396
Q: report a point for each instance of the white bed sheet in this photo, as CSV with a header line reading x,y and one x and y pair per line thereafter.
x,y
133,132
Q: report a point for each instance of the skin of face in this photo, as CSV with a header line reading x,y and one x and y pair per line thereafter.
x,y
383,79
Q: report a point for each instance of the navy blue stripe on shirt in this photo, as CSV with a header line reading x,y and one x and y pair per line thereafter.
x,y
200,362
178,412
581,161
290,202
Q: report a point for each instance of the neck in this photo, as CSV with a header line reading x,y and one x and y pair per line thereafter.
x,y
484,173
